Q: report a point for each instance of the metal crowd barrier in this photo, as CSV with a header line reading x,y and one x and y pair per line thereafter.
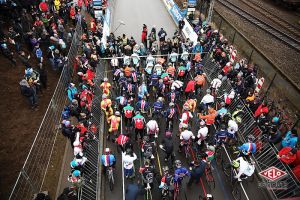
x,y
265,158
90,186
33,173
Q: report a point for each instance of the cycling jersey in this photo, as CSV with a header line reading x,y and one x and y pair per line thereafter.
x,y
186,135
108,160
221,136
152,127
180,173
248,148
148,174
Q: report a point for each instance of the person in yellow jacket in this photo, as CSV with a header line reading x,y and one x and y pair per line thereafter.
x,y
191,104
105,86
114,122
210,117
106,105
57,4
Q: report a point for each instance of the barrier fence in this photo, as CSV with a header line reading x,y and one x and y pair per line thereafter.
x,y
91,184
32,175
268,156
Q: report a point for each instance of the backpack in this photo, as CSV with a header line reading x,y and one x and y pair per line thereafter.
x,y
128,113
181,73
139,124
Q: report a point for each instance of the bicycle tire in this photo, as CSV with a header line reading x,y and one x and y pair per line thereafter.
x,y
111,181
210,180
219,156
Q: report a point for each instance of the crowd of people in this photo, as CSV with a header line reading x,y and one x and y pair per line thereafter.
x,y
154,86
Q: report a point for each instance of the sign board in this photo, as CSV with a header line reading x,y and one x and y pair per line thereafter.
x,y
189,32
273,174
97,5
192,3
98,14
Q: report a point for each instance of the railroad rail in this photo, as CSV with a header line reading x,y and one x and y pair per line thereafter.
x,y
292,42
282,22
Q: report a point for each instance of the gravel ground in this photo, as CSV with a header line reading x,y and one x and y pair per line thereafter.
x,y
283,56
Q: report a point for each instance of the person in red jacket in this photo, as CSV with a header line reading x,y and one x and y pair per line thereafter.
x,y
72,14
263,108
144,35
93,25
190,89
43,6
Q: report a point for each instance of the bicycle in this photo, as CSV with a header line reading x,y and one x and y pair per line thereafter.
x,y
110,176
209,177
148,191
219,154
176,191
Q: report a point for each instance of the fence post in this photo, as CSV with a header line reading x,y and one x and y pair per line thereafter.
x,y
220,25
233,37
34,189
271,83
250,56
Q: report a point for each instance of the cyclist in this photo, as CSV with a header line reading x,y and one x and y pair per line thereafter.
x,y
147,148
221,135
180,173
232,129
106,105
216,83
191,103
142,105
197,169
171,70
238,114
147,172
154,80
222,112
170,114
130,89
167,146
128,111
173,95
166,183
189,89
152,129
202,134
158,107
244,168
122,83
249,147
206,101
181,72
200,82
186,115
173,56
161,88
107,160
122,101
139,124
185,137
142,91
106,86
210,117
114,122
128,157
121,140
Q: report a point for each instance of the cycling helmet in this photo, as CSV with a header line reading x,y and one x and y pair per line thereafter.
x,y
186,108
177,163
202,123
137,112
76,173
222,104
235,164
146,138
104,96
146,162
129,80
171,104
223,126
251,138
208,91
117,113
107,150
105,79
168,133
160,99
184,126
238,119
172,88
220,77
128,151
165,169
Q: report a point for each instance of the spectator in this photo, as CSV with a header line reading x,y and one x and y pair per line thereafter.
x,y
290,139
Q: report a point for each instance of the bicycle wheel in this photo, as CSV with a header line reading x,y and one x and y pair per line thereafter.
x,y
111,181
210,179
218,156
236,191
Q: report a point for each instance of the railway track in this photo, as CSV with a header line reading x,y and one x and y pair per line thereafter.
x,y
283,23
282,36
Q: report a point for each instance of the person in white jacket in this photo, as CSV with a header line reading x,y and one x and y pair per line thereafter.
x,y
128,158
243,167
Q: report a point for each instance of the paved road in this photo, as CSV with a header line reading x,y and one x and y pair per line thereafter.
x,y
152,12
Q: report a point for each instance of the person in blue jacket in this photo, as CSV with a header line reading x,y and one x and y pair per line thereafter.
x,y
248,148
72,91
198,48
290,139
180,172
108,160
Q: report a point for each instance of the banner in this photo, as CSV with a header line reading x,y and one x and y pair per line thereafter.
x,y
176,13
106,26
189,32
